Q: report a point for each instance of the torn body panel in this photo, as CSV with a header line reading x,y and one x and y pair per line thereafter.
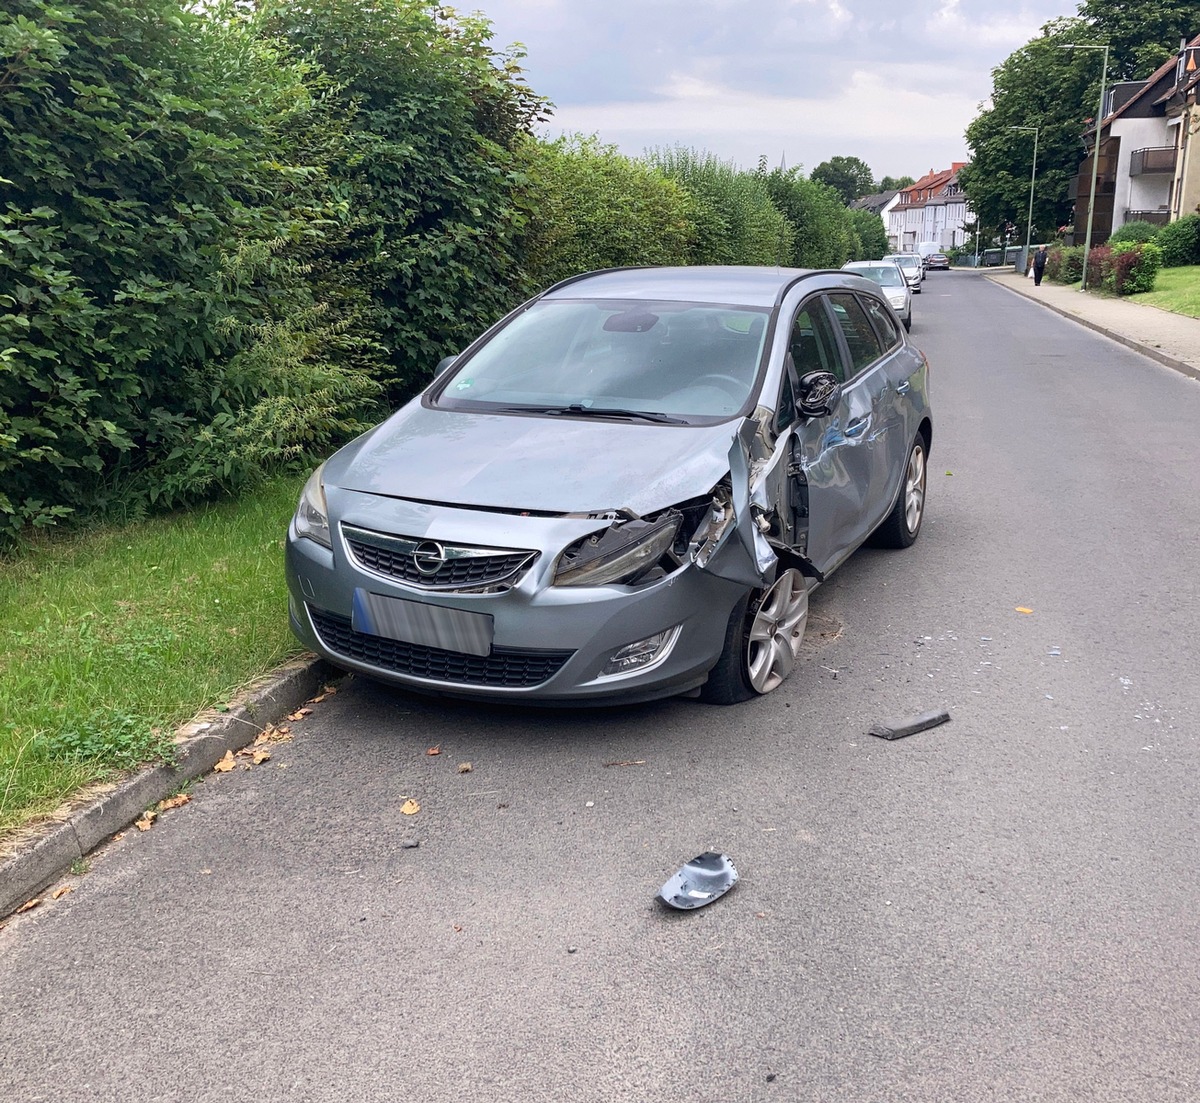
x,y
759,519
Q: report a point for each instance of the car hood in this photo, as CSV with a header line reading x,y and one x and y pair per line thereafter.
x,y
540,464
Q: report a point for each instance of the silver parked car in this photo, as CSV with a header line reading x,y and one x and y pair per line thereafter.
x,y
891,279
912,266
625,489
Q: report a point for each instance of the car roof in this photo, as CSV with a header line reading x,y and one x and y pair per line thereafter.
x,y
867,263
743,284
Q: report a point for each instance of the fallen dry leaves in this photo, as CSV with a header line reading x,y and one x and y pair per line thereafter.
x,y
434,750
177,801
465,767
226,764
299,714
61,891
146,820
410,807
271,735
29,905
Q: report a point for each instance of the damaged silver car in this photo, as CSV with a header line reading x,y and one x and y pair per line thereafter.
x,y
626,489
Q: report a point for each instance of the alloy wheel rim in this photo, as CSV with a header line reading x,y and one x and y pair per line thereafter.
x,y
914,489
777,631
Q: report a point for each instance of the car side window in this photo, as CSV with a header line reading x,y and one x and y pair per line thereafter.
x,y
861,338
885,323
786,412
813,346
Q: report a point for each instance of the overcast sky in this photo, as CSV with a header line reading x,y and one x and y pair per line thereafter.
x,y
894,82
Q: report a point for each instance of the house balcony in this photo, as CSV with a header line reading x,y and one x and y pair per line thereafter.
x,y
1152,159
1155,218
1081,185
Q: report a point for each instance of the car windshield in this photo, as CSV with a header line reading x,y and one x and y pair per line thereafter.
x,y
905,261
653,361
886,275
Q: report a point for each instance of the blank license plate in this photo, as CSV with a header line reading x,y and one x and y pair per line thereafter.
x,y
415,622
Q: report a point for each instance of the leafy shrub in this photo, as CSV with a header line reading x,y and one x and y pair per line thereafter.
x,y
736,221
130,176
1134,267
1180,242
1137,231
1099,268
822,234
591,207
1065,265
433,177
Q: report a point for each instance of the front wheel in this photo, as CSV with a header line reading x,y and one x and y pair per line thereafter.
x,y
762,642
901,526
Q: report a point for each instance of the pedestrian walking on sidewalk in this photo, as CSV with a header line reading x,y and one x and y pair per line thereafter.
x,y
1039,266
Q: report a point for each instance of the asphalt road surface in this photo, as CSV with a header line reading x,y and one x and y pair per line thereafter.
x,y
1002,908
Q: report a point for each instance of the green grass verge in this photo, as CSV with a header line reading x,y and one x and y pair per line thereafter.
x,y
1176,290
110,638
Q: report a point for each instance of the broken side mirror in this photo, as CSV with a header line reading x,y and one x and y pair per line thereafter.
x,y
818,394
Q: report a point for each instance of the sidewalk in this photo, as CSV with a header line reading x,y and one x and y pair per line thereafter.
x,y
1171,339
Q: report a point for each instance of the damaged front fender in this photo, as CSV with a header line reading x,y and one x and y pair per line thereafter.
x,y
750,531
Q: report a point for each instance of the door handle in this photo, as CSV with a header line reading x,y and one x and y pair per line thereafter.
x,y
858,426
903,387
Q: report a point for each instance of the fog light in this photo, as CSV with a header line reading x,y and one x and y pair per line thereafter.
x,y
641,655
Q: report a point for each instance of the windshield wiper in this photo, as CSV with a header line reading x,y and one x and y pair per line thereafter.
x,y
578,410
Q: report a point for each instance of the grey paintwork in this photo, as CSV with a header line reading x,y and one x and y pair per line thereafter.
x,y
807,495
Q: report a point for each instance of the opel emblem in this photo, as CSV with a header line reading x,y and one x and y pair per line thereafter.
x,y
429,557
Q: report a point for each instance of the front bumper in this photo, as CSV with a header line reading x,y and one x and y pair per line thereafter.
x,y
550,644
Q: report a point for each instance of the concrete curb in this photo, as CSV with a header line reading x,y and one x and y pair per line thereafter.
x,y
1163,358
200,745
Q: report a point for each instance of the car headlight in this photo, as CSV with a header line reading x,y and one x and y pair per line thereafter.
x,y
896,300
620,553
312,515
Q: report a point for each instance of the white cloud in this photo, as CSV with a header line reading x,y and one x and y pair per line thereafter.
x,y
894,82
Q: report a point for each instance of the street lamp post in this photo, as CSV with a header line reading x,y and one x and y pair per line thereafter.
x,y
1032,178
1087,240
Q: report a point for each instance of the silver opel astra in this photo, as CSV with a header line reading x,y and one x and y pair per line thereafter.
x,y
626,489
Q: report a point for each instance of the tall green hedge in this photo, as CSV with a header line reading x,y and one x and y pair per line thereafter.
x,y
591,207
736,220
143,158
434,183
822,235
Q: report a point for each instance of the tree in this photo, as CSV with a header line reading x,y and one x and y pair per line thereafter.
x,y
1043,86
1142,34
872,234
850,177
895,183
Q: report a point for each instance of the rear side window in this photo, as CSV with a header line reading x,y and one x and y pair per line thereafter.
x,y
889,332
861,338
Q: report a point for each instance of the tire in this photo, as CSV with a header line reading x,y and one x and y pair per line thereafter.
x,y
762,642
902,526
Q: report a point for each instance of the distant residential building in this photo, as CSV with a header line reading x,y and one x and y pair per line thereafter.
x,y
877,203
932,209
1147,169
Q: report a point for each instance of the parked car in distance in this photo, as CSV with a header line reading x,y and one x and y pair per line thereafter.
x,y
889,277
626,489
910,265
937,260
